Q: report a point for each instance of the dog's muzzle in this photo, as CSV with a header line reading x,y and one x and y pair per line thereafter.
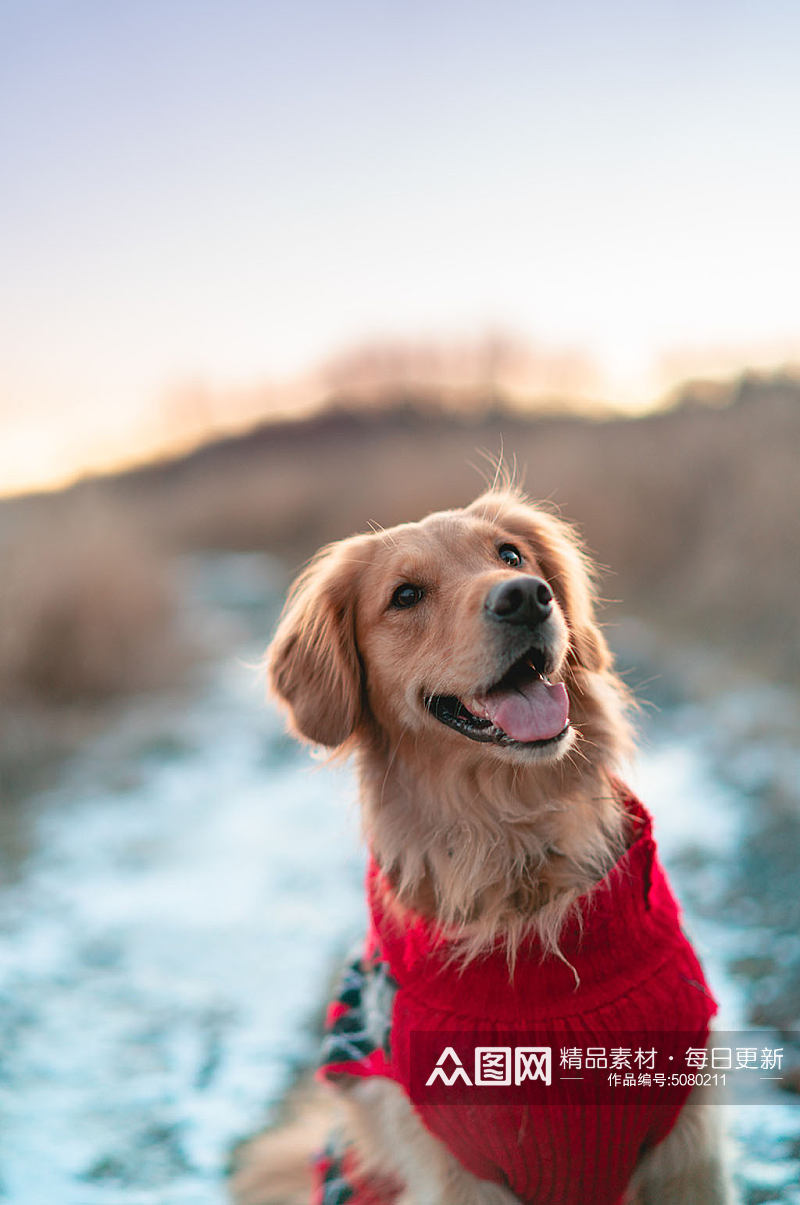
x,y
523,707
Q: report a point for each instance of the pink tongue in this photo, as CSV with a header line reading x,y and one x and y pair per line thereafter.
x,y
536,713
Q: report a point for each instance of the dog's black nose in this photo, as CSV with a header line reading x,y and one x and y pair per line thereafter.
x,y
523,600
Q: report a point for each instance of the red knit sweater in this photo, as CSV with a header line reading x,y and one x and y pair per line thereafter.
x,y
639,977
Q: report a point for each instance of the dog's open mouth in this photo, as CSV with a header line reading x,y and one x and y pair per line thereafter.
x,y
523,708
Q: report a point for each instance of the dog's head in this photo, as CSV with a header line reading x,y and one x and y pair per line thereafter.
x,y
472,628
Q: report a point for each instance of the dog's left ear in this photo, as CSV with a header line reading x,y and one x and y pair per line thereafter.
x,y
570,574
313,661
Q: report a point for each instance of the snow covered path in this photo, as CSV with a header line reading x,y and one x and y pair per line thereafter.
x,y
192,880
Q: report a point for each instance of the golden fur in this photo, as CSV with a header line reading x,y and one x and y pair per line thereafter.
x,y
494,841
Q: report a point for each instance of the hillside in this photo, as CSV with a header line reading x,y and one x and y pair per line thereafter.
x,y
694,509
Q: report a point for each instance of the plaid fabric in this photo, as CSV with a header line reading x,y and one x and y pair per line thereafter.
x,y
638,973
356,1042
334,1185
338,1181
359,1017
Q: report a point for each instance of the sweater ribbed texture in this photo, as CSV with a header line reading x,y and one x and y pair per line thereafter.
x,y
638,975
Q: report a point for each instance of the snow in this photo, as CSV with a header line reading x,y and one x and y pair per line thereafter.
x,y
164,946
192,882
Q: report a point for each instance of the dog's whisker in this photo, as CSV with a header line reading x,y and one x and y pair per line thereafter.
x,y
379,530
391,761
498,828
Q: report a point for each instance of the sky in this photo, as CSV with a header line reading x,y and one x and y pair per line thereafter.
x,y
208,200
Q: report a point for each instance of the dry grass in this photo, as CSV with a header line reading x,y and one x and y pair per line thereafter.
x,y
85,607
694,509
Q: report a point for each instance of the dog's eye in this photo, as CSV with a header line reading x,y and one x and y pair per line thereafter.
x,y
509,554
407,596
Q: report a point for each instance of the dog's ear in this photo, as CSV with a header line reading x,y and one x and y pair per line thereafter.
x,y
313,661
570,574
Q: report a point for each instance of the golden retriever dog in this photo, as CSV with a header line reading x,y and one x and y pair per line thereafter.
x,y
512,875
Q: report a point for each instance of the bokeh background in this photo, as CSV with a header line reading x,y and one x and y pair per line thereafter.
x,y
276,271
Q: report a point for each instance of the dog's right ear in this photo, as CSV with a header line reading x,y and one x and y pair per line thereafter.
x,y
313,661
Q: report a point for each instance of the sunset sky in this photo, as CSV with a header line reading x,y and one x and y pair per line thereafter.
x,y
213,196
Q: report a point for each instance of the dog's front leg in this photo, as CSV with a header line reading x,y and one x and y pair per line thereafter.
x,y
689,1167
391,1140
